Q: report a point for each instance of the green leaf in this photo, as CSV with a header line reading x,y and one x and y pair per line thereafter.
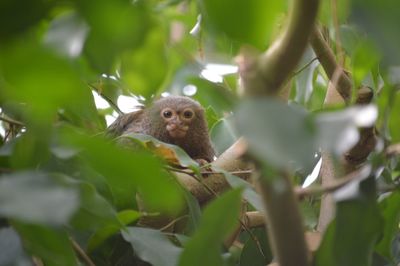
x,y
34,197
304,79
390,208
115,27
394,118
67,34
220,98
249,193
219,219
94,211
145,68
211,117
128,171
379,20
276,133
125,217
16,20
194,212
169,152
249,22
152,246
310,214
365,58
51,245
256,250
223,134
29,69
12,251
357,227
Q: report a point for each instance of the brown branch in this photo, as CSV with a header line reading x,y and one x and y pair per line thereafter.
x,y
82,254
12,121
331,187
393,150
108,100
328,62
366,144
230,161
262,76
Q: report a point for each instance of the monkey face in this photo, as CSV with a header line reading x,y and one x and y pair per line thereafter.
x,y
177,121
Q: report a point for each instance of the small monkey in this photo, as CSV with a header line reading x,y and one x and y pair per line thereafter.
x,y
176,120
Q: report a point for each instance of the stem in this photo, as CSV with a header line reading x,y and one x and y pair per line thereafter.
x,y
86,259
11,121
331,67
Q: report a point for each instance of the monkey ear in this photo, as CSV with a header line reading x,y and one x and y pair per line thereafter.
x,y
119,126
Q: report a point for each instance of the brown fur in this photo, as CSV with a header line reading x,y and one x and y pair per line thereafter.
x,y
148,121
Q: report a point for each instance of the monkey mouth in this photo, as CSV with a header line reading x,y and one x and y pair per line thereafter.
x,y
177,131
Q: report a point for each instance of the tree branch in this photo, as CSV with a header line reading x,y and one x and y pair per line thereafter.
x,y
328,62
262,76
11,121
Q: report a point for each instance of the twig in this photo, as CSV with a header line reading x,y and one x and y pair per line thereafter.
x,y
173,222
338,183
207,172
81,253
339,49
110,102
12,121
304,67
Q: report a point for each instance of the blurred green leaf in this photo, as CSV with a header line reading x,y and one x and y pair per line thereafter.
x,y
194,212
125,217
16,20
211,117
45,83
390,208
365,58
394,117
34,197
357,227
223,134
379,20
169,152
67,34
152,246
350,38
304,79
12,251
115,27
220,98
326,12
128,171
276,133
250,22
94,211
309,214
219,219
256,251
145,68
51,245
249,193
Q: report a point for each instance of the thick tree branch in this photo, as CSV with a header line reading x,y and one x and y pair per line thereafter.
x,y
264,75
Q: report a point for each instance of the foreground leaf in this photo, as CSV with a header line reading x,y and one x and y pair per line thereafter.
x,y
152,246
34,197
219,219
51,245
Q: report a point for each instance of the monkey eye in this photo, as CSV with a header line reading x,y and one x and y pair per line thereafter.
x,y
188,114
167,113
